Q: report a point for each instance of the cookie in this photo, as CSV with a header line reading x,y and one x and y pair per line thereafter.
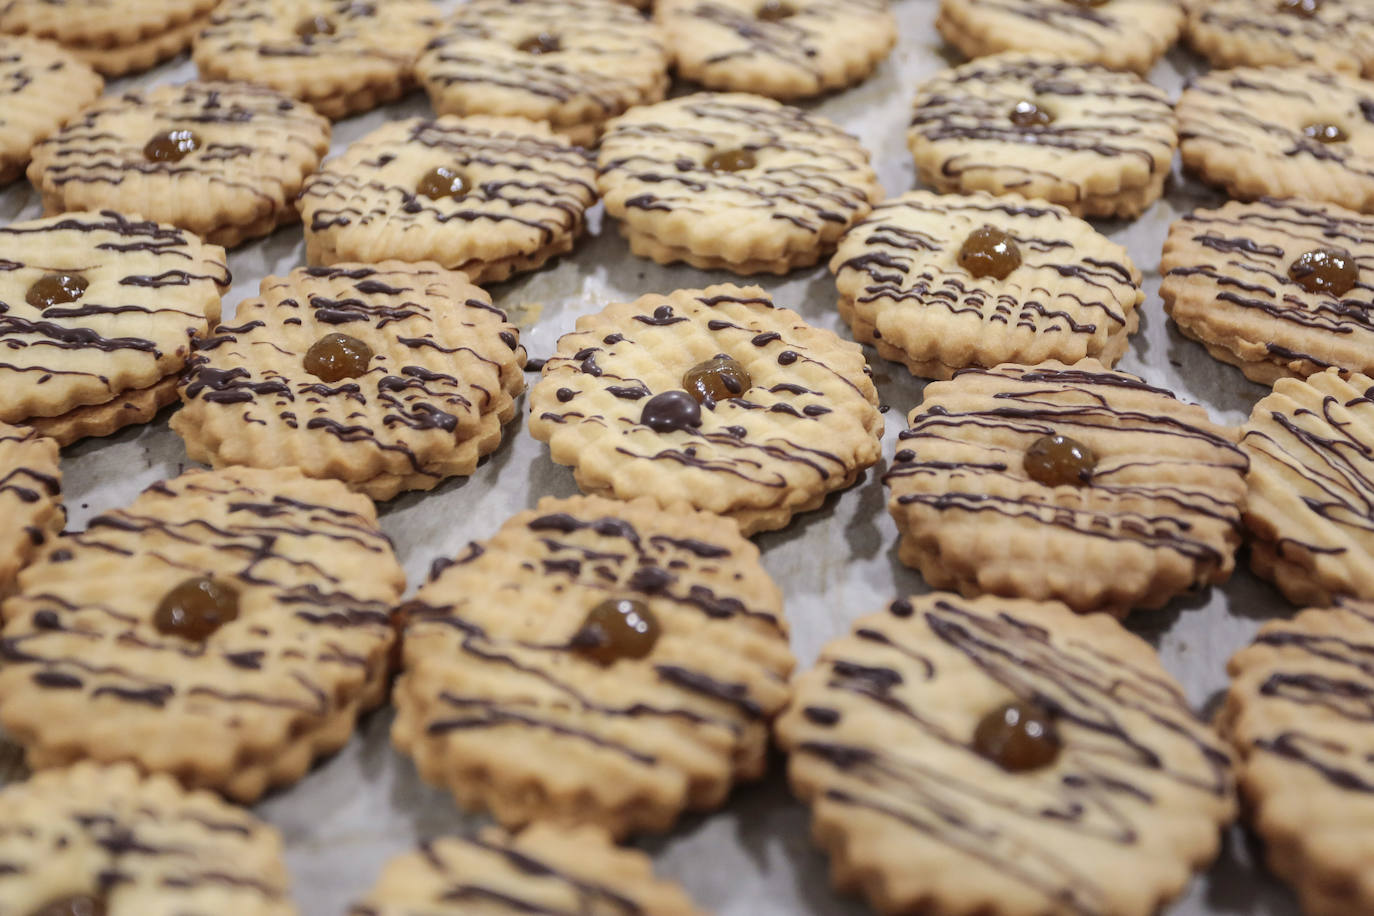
x,y
1121,34
42,87
341,56
220,159
226,628
572,63
115,37
1003,756
1311,475
1281,132
712,397
1298,714
1278,288
941,282
732,181
144,54
95,840
1072,483
543,869
488,196
1335,34
1097,142
784,49
594,662
30,498
101,311
387,377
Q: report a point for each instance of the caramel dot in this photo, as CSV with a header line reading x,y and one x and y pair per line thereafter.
x,y
75,905
1303,8
171,146
617,628
443,182
196,608
732,160
1026,113
1324,270
716,379
311,26
671,411
1017,737
335,357
1325,133
543,43
1088,2
1057,461
989,252
775,10
56,289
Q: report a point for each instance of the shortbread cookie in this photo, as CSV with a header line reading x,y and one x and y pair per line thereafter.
x,y
986,756
1278,288
1298,715
1121,34
543,869
1066,482
488,196
98,23
42,87
30,498
226,628
223,160
600,662
1296,132
713,397
143,54
733,181
1311,481
389,377
572,63
940,282
341,56
784,49
100,312
1335,34
92,840
1098,142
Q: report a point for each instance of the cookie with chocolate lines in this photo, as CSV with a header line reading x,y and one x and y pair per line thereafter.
x,y
733,181
1095,141
1281,132
388,377
341,56
226,628
1334,34
595,662
491,197
940,282
1072,483
999,756
784,49
572,63
42,87
101,312
92,840
714,397
30,498
224,160
113,36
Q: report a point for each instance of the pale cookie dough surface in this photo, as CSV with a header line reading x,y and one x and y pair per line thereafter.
x,y
1334,34
902,288
498,703
42,87
30,498
98,24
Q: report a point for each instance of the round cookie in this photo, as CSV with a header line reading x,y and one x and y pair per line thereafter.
x,y
986,756
99,24
144,54
595,662
1097,142
488,196
42,87
226,628
784,49
388,377
1071,483
1334,34
941,282
341,56
785,418
1278,288
96,840
1275,132
572,63
733,181
223,160
30,499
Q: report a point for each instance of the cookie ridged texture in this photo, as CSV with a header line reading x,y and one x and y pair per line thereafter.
x,y
87,674
880,735
443,377
30,498
807,426
1227,284
42,87
365,59
1160,515
1074,294
98,24
142,54
256,147
496,704
1297,712
1335,34
821,45
811,181
152,289
1242,129
542,869
1107,151
528,190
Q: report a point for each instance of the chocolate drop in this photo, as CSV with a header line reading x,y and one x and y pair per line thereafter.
x,y
1057,461
543,43
442,181
1324,270
989,252
56,289
775,10
671,411
197,608
732,160
335,357
1018,737
75,905
1325,133
1027,113
171,146
1305,9
311,26
716,379
617,628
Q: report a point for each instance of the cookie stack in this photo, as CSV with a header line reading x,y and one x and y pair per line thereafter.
x,y
116,37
